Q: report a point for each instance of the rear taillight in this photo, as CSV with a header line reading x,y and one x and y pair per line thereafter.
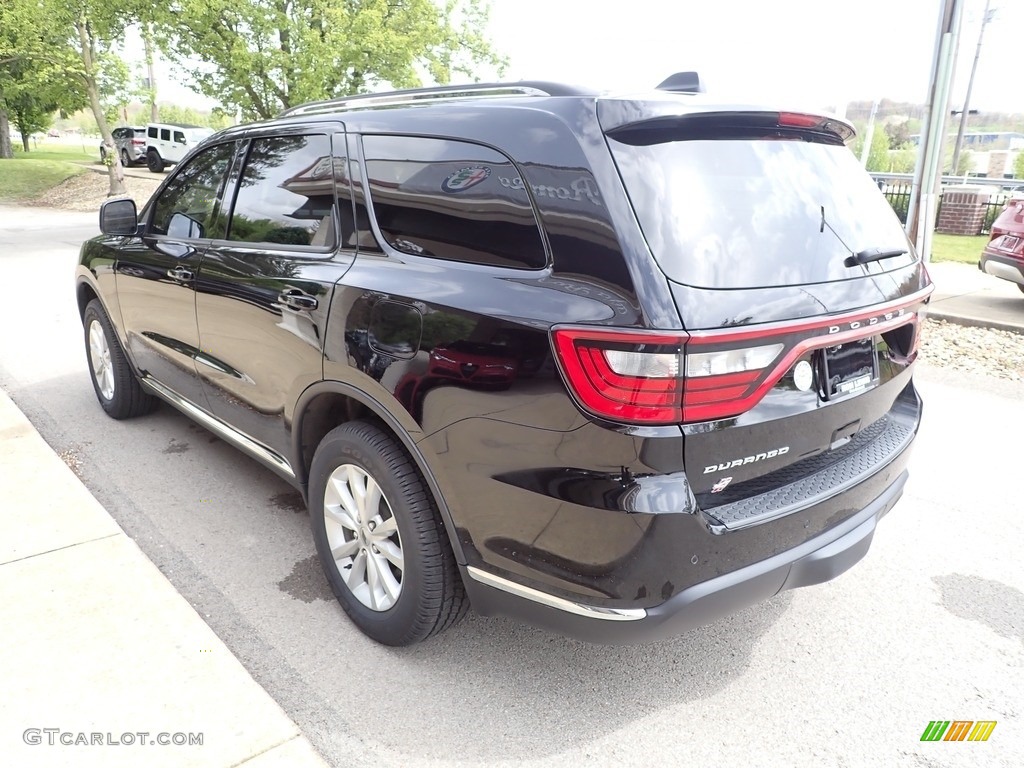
x,y
646,378
657,378
138,142
623,376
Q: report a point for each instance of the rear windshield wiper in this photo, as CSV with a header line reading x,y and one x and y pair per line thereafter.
x,y
873,254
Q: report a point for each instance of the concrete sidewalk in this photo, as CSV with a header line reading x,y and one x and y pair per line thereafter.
x,y
101,660
967,296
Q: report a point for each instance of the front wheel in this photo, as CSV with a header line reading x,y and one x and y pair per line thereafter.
x,y
380,538
117,389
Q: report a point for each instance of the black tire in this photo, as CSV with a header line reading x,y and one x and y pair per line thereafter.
x,y
154,162
120,394
125,160
1021,287
103,153
432,597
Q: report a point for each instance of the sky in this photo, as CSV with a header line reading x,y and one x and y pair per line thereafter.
x,y
808,53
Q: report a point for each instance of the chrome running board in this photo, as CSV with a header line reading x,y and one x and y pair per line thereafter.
x,y
219,428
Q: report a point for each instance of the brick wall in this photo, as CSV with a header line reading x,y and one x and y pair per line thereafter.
x,y
963,210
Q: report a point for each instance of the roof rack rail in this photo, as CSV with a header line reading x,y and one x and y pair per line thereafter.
x,y
414,95
682,82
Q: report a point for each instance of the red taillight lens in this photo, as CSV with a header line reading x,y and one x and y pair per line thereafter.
x,y
623,376
797,120
138,142
645,378
656,378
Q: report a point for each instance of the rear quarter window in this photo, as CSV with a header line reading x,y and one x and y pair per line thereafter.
x,y
451,200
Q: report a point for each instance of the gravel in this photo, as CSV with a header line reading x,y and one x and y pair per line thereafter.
x,y
86,191
977,351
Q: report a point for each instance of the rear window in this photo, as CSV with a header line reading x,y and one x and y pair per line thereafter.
x,y
758,212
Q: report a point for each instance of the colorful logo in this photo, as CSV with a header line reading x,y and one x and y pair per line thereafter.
x,y
465,178
958,730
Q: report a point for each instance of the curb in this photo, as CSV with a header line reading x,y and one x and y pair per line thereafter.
x,y
975,322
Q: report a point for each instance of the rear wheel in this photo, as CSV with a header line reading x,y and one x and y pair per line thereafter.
x,y
154,162
380,538
117,389
125,160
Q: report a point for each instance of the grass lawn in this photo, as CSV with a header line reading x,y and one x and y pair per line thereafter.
x,y
963,248
71,153
23,179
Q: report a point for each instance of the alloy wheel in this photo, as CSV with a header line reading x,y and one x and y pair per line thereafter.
x,y
99,354
363,537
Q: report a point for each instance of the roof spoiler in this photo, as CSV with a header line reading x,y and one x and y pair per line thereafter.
x,y
682,82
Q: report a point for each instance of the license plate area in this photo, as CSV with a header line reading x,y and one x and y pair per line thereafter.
x,y
846,369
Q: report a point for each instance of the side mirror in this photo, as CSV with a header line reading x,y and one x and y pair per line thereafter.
x,y
119,217
184,226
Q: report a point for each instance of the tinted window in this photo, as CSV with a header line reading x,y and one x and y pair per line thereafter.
x,y
451,200
140,133
748,213
356,231
179,137
286,193
194,192
151,132
165,134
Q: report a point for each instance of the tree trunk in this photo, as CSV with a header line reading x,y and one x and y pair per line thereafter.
x,y
147,42
24,142
92,89
6,150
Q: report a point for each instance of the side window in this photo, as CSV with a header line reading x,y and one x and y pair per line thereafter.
x,y
356,231
194,192
286,193
179,137
451,200
165,134
151,132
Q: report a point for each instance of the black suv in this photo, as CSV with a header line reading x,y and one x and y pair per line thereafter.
x,y
613,365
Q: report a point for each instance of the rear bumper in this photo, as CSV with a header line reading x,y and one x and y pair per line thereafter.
x,y
1004,267
814,561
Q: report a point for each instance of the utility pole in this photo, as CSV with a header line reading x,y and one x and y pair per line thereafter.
x,y
869,135
970,84
927,171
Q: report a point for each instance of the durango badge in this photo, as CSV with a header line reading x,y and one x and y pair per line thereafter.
x,y
465,178
746,460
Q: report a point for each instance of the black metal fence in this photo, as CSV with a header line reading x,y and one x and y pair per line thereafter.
x,y
897,192
992,210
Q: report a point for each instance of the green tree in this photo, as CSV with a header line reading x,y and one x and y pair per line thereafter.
x,y
1018,166
878,154
32,81
70,41
262,56
898,134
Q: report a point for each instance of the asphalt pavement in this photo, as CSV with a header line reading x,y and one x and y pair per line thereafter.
x,y
209,616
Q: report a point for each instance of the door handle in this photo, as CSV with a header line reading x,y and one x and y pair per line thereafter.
x,y
180,273
298,300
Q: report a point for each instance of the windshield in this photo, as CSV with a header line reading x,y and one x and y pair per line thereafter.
x,y
758,212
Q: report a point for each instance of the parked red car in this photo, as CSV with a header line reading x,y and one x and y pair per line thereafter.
x,y
1004,255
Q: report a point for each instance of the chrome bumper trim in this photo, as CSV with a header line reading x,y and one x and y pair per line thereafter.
x,y
558,603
